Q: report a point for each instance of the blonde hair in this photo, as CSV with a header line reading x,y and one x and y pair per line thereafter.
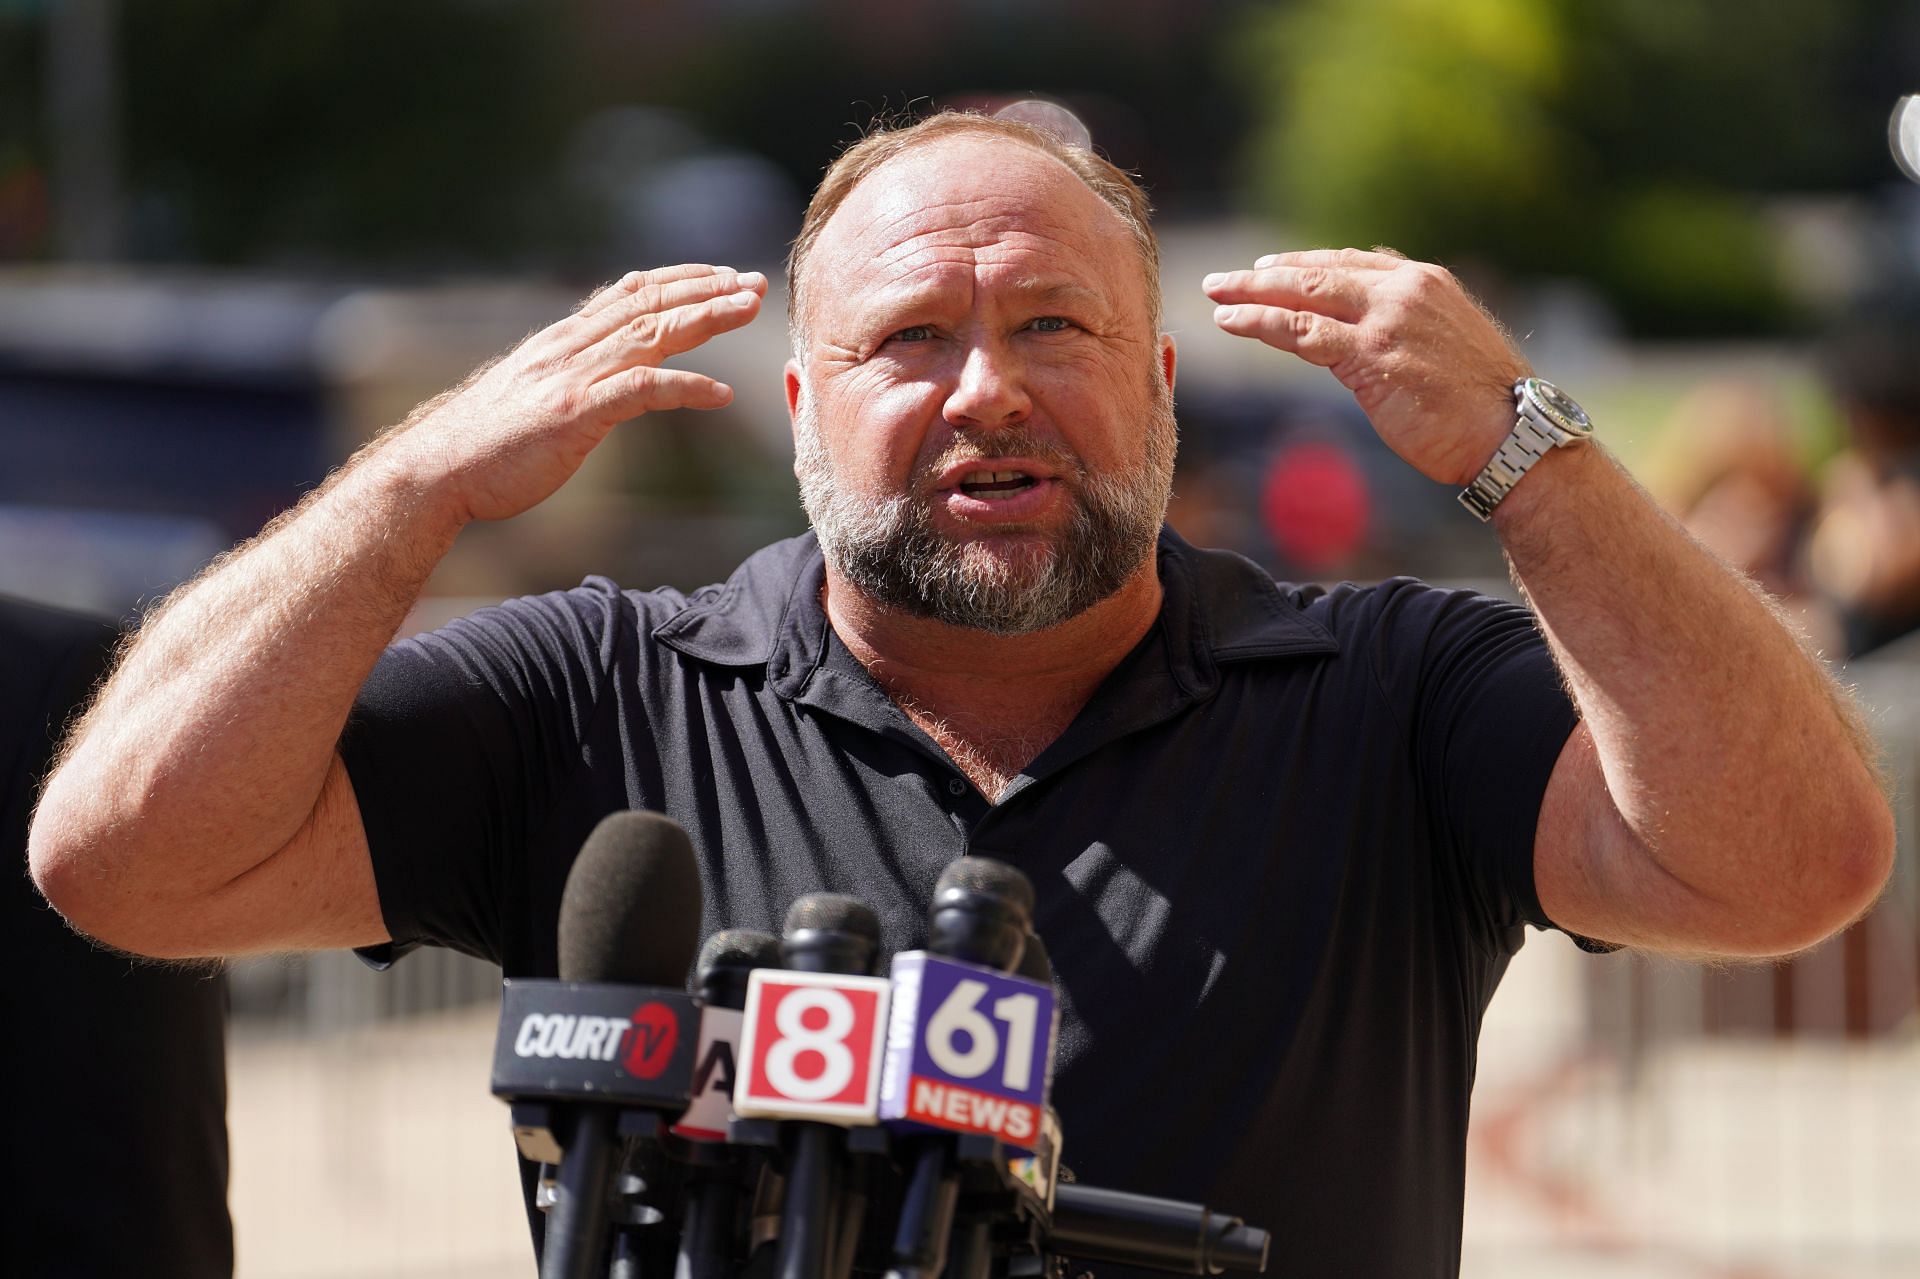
x,y
1106,180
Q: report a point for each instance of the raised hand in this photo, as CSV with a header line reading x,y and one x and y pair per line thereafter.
x,y
516,430
1430,367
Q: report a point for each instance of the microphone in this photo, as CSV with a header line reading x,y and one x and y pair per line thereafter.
x,y
810,1051
720,983
1159,1234
614,1032
982,913
949,1067
712,1196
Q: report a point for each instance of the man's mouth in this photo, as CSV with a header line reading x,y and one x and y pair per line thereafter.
x,y
991,486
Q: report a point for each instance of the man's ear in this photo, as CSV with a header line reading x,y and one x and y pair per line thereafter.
x,y
793,389
1167,359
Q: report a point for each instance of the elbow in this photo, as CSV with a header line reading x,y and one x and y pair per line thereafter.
x,y
73,866
66,868
1842,878
1865,857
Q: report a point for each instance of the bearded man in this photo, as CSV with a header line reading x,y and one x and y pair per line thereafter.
x,y
1284,841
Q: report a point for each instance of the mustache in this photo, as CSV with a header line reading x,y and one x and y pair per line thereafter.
x,y
1012,441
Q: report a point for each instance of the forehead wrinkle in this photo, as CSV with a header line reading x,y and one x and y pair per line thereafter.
x,y
911,263
951,280
983,241
954,217
899,212
911,211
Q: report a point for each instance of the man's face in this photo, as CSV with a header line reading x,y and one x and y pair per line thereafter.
x,y
983,416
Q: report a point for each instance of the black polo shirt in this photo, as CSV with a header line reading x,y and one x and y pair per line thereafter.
x,y
1282,856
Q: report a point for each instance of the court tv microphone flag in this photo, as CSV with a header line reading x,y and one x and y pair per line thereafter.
x,y
612,1041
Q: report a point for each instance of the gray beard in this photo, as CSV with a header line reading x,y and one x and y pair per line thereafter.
x,y
889,550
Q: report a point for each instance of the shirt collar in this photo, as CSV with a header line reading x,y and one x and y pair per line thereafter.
x,y
1217,607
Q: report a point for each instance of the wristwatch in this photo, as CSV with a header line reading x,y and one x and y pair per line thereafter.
x,y
1547,419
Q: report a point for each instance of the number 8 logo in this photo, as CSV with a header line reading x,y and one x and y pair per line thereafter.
x,y
796,1037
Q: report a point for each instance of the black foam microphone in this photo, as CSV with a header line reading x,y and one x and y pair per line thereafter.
x,y
982,913
630,911
727,960
716,1171
825,933
830,933
614,1032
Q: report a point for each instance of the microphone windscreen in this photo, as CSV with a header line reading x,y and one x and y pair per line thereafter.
x,y
988,878
630,912
1035,963
738,948
833,913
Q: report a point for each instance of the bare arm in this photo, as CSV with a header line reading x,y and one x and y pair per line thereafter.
x,y
200,807
1718,797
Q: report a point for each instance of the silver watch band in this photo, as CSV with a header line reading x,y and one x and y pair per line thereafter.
x,y
1526,444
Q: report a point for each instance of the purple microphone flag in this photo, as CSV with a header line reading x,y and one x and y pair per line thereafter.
x,y
969,1049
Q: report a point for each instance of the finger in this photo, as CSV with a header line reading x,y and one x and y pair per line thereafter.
x,y
633,281
666,295
1340,292
653,336
645,389
1376,259
1313,337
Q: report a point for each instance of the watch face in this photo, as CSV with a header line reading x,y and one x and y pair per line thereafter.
x,y
1559,406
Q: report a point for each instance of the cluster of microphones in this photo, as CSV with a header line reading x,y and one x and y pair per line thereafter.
x,y
796,1116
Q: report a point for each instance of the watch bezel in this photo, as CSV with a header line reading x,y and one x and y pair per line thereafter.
x,y
1540,398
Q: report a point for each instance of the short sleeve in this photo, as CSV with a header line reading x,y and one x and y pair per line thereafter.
x,y
1487,717
457,747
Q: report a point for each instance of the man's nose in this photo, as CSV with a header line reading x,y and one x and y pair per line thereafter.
x,y
991,390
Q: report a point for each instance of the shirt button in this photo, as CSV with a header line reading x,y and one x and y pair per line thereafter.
x,y
956,786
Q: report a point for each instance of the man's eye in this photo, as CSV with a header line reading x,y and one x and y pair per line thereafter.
x,y
1051,324
915,333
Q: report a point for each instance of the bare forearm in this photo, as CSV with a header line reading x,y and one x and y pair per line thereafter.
x,y
1717,797
201,809
206,751
1726,749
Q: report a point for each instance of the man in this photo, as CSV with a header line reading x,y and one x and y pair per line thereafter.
x,y
1284,842
116,1150
1865,550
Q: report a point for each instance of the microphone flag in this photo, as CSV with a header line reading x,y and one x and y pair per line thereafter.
x,y
714,1076
810,1046
969,1049
595,1041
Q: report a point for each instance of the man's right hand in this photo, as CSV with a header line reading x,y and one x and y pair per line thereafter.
x,y
513,433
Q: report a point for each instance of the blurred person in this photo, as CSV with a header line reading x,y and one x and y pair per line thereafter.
x,y
1865,553
1284,840
1731,471
116,1147
1734,477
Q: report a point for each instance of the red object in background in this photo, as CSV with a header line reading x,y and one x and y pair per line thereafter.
x,y
1315,504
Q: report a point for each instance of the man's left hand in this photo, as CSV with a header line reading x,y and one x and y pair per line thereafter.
x,y
1433,371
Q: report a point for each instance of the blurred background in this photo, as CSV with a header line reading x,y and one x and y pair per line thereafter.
x,y
236,240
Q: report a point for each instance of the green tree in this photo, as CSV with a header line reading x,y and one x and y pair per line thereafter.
x,y
1626,141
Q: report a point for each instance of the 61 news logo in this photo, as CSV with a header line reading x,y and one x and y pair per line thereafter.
x,y
810,1046
969,1049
